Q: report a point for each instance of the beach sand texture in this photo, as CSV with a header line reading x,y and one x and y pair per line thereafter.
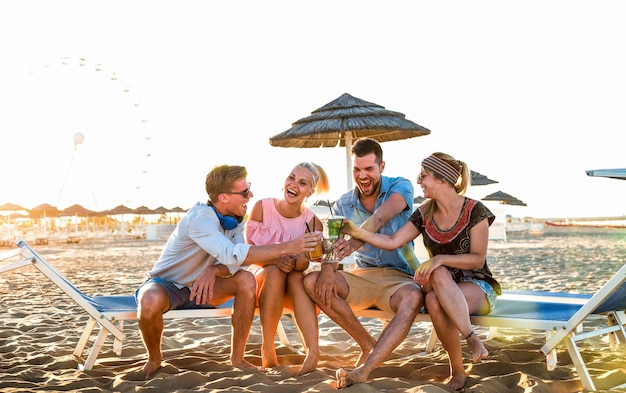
x,y
39,328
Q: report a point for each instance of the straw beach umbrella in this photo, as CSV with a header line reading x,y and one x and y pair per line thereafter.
x,y
121,210
178,210
44,210
143,210
481,180
76,210
11,207
343,120
504,199
161,210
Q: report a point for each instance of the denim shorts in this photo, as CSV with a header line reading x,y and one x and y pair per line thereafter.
x,y
488,289
179,297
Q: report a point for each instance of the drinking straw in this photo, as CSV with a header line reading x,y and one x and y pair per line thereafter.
x,y
331,210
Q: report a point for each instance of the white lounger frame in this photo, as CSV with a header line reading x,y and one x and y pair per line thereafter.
x,y
109,321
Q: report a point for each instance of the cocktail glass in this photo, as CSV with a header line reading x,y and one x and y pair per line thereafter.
x,y
318,252
332,232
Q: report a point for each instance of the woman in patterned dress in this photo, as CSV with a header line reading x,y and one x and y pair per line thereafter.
x,y
456,278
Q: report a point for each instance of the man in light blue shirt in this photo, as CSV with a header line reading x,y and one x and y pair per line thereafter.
x,y
382,279
350,207
201,265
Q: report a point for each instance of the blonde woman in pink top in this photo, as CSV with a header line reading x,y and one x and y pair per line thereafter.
x,y
279,282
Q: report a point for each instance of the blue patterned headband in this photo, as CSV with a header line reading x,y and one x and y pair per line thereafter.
x,y
441,168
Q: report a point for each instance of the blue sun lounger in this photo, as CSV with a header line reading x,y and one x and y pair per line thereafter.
x,y
108,312
561,315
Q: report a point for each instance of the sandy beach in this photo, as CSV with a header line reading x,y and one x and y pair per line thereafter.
x,y
39,328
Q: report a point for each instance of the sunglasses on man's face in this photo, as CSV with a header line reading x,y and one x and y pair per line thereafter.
x,y
245,193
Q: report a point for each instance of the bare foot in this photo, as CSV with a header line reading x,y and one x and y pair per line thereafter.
x,y
456,382
345,378
309,365
342,378
269,363
246,365
479,352
365,352
268,356
150,368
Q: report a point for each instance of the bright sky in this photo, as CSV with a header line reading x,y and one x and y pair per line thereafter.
x,y
529,93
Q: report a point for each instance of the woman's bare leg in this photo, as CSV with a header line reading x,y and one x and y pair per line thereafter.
x,y
305,314
450,305
271,290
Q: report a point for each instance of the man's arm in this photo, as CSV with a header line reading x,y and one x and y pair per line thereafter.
x,y
256,216
302,244
202,290
393,206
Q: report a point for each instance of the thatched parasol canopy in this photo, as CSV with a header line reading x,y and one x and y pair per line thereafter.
x,y
161,210
481,180
11,207
119,209
43,210
77,210
504,199
143,210
418,200
345,119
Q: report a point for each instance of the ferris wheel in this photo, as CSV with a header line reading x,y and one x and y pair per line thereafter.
x,y
104,129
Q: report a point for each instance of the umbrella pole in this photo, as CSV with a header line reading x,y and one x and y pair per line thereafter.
x,y
348,137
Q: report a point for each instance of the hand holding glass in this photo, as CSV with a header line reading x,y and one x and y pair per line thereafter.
x,y
316,254
332,232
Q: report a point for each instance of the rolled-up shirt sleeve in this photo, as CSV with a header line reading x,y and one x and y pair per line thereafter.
x,y
227,247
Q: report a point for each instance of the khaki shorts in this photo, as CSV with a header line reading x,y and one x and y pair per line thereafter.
x,y
374,287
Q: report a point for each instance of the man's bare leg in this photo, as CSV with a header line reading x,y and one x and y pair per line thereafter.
x,y
341,313
243,285
153,302
407,302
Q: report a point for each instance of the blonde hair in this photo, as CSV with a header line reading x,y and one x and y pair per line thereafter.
x,y
463,182
320,179
221,179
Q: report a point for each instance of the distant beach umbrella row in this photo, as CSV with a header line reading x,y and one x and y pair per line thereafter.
x,y
47,210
